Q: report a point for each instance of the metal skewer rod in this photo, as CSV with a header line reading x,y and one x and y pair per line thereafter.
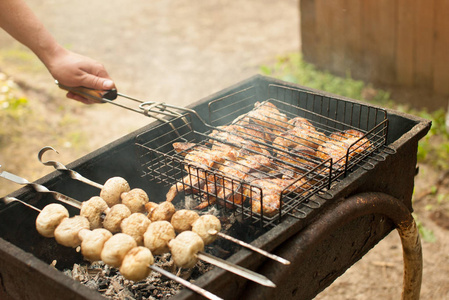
x,y
212,260
8,200
236,269
60,166
185,283
167,274
249,246
41,189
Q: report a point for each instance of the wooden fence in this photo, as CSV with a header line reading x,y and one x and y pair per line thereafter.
x,y
395,42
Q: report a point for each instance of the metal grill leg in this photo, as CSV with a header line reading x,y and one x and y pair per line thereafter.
x,y
407,229
340,213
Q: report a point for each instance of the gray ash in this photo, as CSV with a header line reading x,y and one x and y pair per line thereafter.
x,y
109,282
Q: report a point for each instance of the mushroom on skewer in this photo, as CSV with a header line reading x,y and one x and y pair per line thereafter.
x,y
115,216
160,212
184,248
93,209
201,255
66,233
183,219
49,218
135,199
92,242
166,210
133,263
158,235
135,225
113,189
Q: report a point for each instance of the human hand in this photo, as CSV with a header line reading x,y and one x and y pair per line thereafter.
x,y
73,70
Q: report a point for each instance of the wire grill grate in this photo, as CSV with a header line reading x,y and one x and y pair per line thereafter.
x,y
183,155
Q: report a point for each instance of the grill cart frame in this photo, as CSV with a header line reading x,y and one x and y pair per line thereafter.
x,y
365,206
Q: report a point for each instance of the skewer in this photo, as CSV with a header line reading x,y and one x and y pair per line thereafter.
x,y
60,167
249,246
8,200
248,274
41,189
77,176
169,275
230,267
185,283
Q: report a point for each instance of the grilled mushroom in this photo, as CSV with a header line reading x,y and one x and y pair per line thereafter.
x,y
115,249
157,237
49,218
66,233
113,189
135,264
93,242
204,226
115,216
185,247
135,225
162,212
183,219
92,210
135,199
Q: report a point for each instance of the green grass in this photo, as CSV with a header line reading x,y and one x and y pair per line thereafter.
x,y
22,59
14,109
293,68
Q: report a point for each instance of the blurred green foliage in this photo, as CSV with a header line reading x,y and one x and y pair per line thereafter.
x,y
293,68
14,109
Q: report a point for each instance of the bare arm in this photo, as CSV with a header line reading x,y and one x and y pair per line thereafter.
x,y
68,68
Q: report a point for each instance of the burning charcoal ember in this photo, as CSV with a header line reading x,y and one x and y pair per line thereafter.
x,y
79,273
113,189
92,284
109,282
135,199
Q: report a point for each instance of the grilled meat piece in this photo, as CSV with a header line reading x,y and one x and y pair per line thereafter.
x,y
265,195
228,141
349,142
197,163
227,185
297,162
254,132
301,134
267,115
184,147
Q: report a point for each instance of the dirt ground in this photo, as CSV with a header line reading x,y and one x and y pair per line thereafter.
x,y
178,52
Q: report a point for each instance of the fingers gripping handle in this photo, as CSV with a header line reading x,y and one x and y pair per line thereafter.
x,y
97,95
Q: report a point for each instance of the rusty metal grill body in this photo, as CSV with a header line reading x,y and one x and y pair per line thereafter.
x,y
146,159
